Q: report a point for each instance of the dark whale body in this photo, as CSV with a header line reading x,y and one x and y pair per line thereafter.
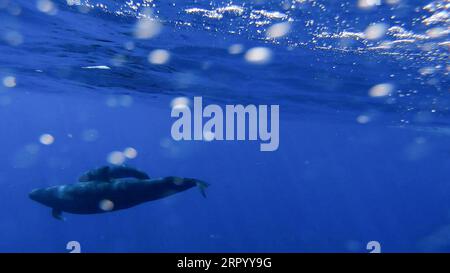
x,y
117,194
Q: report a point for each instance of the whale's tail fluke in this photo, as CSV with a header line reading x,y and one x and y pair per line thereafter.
x,y
202,187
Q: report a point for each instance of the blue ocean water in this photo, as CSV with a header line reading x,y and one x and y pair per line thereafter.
x,y
363,90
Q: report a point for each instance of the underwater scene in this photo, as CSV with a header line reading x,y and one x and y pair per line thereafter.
x,y
254,126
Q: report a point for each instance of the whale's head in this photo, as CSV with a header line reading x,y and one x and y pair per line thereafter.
x,y
38,195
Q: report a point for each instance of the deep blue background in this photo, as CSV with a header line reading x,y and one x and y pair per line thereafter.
x,y
333,185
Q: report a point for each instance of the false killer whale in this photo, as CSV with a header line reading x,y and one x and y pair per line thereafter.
x,y
109,189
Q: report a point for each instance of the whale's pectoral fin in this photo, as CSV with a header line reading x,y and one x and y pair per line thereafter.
x,y
202,187
57,214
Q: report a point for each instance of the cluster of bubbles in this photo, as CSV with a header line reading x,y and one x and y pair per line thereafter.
x,y
119,157
27,155
159,56
8,83
46,139
279,25
381,90
386,36
46,6
119,101
106,205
